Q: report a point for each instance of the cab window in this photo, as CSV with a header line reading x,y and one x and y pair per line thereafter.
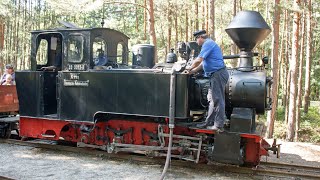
x,y
119,53
75,48
42,52
99,49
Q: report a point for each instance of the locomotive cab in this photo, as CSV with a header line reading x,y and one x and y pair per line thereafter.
x,y
65,50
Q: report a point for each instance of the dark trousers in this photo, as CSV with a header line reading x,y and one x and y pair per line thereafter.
x,y
216,98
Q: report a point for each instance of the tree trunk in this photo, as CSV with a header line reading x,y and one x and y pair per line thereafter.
x,y
308,58
211,22
275,63
45,15
6,40
181,34
152,32
191,27
13,39
287,74
299,93
293,73
17,47
222,42
2,43
2,25
145,20
207,15
39,14
22,60
203,26
196,6
136,15
187,25
28,63
234,62
281,59
176,27
180,16
1,33
169,27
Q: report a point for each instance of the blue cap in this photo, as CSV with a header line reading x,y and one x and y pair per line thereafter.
x,y
198,33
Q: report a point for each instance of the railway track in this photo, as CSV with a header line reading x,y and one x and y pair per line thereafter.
x,y
5,178
290,169
265,169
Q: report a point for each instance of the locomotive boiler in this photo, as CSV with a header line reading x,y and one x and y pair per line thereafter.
x,y
97,99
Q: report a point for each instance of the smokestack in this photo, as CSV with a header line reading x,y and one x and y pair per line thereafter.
x,y
247,30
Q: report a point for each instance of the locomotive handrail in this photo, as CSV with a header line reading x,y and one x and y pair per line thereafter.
x,y
234,56
256,68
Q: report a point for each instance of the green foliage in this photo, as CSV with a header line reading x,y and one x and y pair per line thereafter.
x,y
281,114
312,117
309,125
280,130
4,7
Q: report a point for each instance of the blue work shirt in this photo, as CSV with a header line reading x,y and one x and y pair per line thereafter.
x,y
212,57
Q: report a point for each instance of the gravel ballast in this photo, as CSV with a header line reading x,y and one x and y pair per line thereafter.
x,y
23,162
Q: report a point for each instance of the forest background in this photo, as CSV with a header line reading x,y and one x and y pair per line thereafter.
x,y
293,46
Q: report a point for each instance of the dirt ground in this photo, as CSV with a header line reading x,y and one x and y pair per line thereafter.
x,y
307,154
21,162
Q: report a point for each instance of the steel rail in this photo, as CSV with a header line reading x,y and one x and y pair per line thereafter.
x,y
291,165
5,178
291,169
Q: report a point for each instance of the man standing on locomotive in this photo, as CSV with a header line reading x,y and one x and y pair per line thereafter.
x,y
211,61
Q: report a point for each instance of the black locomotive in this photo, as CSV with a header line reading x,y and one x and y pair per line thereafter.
x,y
96,99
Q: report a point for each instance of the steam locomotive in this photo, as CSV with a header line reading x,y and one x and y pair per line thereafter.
x,y
97,100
